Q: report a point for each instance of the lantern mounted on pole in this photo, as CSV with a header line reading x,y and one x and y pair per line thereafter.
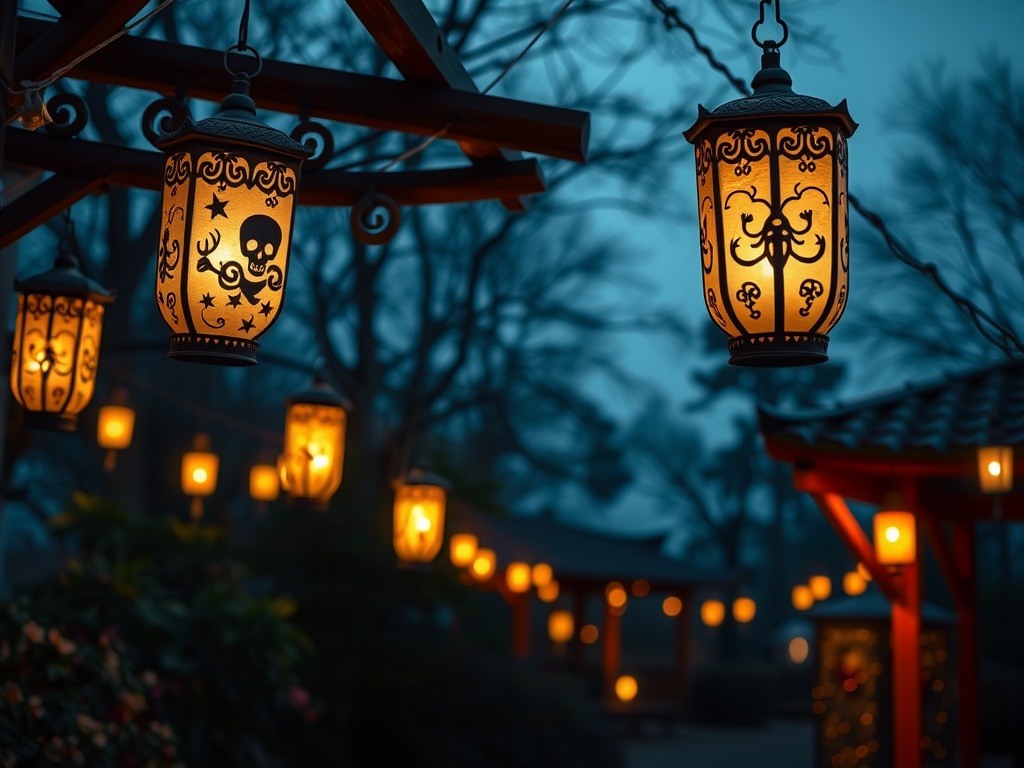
x,y
420,500
895,536
773,214
115,427
199,474
230,187
57,340
995,468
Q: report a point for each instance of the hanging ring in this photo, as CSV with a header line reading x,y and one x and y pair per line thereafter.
x,y
770,45
239,50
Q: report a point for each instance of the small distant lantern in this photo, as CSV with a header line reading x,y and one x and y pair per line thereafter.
x,y
199,474
589,634
115,428
314,445
995,468
773,213
462,549
542,575
615,595
560,626
57,341
641,588
712,612
264,483
484,564
420,499
672,606
549,592
744,609
895,538
230,185
798,650
821,587
854,584
803,598
626,688
518,577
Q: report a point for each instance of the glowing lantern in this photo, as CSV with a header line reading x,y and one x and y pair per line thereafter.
x,y
462,549
589,634
542,575
626,688
712,612
854,584
560,626
484,564
314,445
57,341
420,499
773,213
895,538
549,592
114,428
864,572
744,609
230,186
264,483
995,468
672,606
798,650
803,598
615,595
641,588
821,587
199,474
518,577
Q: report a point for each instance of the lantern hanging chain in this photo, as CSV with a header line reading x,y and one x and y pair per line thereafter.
x,y
38,85
770,45
415,150
243,28
1000,336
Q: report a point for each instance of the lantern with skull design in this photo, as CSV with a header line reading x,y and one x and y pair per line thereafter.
x,y
230,185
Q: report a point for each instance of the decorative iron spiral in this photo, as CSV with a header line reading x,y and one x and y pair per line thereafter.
x,y
162,117
70,114
375,219
317,137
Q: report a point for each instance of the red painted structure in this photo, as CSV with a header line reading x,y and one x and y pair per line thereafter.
x,y
921,441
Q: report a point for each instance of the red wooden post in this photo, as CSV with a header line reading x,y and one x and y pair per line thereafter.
x,y
611,650
967,641
906,651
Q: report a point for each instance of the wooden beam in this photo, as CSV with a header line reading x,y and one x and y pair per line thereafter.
x,y
374,102
43,202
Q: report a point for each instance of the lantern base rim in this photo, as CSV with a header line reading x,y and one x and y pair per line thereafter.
x,y
58,422
213,350
772,350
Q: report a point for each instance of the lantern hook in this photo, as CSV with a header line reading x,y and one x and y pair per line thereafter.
x,y
242,46
770,45
67,247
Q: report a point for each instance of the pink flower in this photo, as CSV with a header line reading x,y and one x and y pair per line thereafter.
x,y
298,697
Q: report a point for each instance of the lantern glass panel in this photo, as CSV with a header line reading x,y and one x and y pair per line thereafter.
x,y
264,484
995,468
895,539
314,445
418,521
518,577
199,473
56,354
115,427
484,564
712,612
561,626
462,549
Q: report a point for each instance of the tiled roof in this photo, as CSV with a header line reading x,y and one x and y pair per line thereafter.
x,y
579,554
967,410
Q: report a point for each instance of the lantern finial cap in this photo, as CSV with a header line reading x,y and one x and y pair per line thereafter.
x,y
772,78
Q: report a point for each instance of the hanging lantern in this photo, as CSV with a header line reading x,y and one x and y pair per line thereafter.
x,y
615,595
744,609
230,186
995,468
264,482
895,539
821,587
484,564
549,592
773,214
314,445
462,549
57,341
419,516
672,606
561,626
542,575
517,577
712,612
114,428
802,597
626,688
199,474
854,584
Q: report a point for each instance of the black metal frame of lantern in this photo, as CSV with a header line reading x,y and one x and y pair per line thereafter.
x,y
223,254
773,214
57,339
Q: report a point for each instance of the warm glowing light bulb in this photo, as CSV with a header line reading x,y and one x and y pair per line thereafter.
x,y
199,475
994,468
320,462
892,533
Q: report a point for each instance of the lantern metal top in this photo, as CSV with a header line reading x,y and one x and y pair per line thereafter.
x,y
773,97
321,393
66,279
422,475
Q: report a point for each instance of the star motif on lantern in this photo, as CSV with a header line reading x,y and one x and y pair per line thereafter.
x,y
216,208
207,300
267,308
247,325
235,300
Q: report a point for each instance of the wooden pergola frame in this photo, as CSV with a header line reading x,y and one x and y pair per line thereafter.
x,y
437,94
